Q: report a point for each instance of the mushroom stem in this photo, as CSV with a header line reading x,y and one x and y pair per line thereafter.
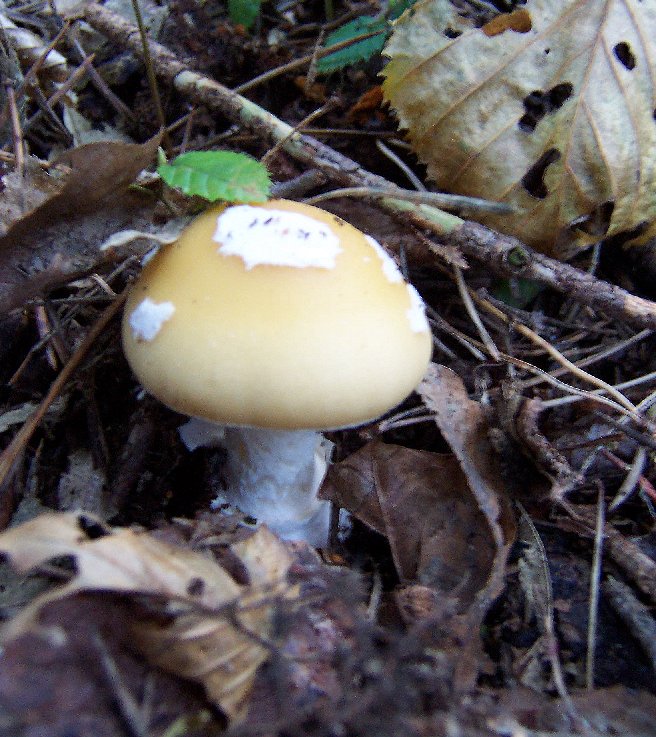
x,y
272,475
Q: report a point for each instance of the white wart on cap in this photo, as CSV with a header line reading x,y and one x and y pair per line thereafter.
x,y
279,315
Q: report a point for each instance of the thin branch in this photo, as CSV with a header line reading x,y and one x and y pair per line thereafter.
x,y
595,578
13,451
557,355
304,61
502,254
438,199
465,295
150,74
410,175
635,615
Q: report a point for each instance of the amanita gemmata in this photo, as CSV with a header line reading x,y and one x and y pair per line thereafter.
x,y
274,322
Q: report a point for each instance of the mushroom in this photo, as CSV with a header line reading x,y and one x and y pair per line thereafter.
x,y
275,322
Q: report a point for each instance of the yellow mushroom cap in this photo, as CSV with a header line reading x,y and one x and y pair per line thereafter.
x,y
278,315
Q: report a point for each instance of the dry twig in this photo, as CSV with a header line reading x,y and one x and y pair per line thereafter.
x,y
635,615
13,451
503,254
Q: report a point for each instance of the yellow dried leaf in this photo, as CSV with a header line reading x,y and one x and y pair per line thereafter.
x,y
215,629
554,116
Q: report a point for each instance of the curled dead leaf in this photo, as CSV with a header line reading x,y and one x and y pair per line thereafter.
x,y
211,629
447,519
50,230
421,502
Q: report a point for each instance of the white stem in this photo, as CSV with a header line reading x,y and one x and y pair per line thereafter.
x,y
274,476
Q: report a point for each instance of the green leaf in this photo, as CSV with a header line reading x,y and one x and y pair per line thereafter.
x,y
218,175
244,12
517,292
368,47
360,50
396,8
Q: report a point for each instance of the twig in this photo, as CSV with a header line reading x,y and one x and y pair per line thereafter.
x,y
318,113
595,577
506,255
646,378
473,314
463,339
13,451
637,566
557,355
134,717
302,62
40,56
150,74
643,436
632,479
635,615
299,186
439,199
63,89
503,254
99,83
375,596
596,357
396,159
356,132
16,131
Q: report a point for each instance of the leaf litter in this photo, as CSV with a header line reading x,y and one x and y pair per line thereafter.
x,y
216,627
52,229
423,618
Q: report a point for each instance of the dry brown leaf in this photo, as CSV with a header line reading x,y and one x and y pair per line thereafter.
x,y
554,116
446,519
52,231
421,502
462,423
23,194
215,629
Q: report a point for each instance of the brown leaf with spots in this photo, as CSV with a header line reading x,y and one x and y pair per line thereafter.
x,y
549,109
211,629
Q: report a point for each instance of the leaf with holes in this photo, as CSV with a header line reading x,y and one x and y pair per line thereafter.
x,y
209,627
549,109
218,175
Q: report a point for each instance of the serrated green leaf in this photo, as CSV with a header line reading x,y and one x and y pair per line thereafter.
x,y
368,47
244,12
360,50
218,175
